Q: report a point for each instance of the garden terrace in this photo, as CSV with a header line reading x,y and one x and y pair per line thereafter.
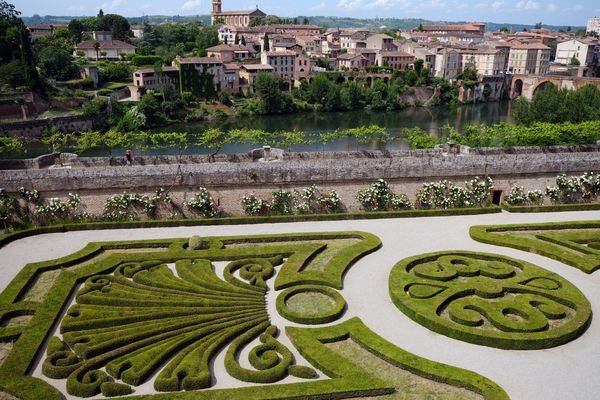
x,y
108,312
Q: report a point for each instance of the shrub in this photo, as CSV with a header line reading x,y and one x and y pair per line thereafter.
x,y
252,205
445,194
202,203
128,206
282,202
379,197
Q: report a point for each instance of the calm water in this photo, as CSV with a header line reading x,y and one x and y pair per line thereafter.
x,y
314,123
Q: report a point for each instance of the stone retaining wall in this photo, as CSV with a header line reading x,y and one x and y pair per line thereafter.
x,y
228,181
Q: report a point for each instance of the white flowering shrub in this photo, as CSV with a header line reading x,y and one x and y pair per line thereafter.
x,y
30,196
535,197
517,196
129,206
10,210
330,202
400,202
57,210
282,202
305,200
377,197
575,189
444,194
479,192
202,203
252,205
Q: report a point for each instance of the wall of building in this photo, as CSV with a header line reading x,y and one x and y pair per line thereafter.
x,y
34,128
236,175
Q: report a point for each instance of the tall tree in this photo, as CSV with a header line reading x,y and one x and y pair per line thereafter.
x,y
76,30
266,45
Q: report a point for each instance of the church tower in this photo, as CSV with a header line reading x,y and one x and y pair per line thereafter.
x,y
216,7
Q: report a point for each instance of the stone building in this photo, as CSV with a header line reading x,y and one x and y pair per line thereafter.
x,y
235,18
529,59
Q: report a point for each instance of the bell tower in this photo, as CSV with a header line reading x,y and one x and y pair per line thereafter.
x,y
216,7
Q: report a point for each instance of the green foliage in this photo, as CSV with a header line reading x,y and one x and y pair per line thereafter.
x,y
443,194
56,63
326,305
567,242
273,99
139,60
555,105
93,108
530,309
203,204
115,71
11,145
379,197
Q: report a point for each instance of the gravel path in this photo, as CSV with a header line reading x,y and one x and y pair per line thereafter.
x,y
568,371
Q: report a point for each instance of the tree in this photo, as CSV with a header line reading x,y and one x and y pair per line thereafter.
x,y
504,29
418,65
305,21
76,30
420,28
266,45
243,40
538,26
272,99
351,96
97,49
57,63
208,36
574,61
237,39
117,25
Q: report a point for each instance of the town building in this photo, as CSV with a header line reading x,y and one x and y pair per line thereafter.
x,y
248,74
381,42
40,30
235,18
582,49
194,71
448,63
352,61
113,50
395,59
593,25
486,61
148,80
529,59
231,52
231,79
283,63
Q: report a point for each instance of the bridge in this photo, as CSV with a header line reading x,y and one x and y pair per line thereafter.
x,y
528,85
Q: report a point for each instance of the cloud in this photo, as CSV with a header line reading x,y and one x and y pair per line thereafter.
x,y
494,5
319,6
527,5
578,7
191,5
552,7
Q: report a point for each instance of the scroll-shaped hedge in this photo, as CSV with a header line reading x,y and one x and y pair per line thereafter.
x,y
573,243
489,299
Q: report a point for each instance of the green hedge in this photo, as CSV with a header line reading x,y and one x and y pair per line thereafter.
x,y
552,208
562,241
115,287
310,318
469,296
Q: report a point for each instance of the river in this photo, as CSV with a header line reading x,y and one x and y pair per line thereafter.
x,y
429,119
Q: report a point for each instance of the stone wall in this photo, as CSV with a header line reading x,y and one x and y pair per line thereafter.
x,y
228,181
33,129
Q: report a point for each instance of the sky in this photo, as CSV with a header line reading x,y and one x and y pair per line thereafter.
x,y
555,12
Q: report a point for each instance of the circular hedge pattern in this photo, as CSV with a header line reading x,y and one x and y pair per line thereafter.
x,y
489,299
311,305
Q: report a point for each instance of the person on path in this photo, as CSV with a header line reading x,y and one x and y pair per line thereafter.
x,y
129,157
